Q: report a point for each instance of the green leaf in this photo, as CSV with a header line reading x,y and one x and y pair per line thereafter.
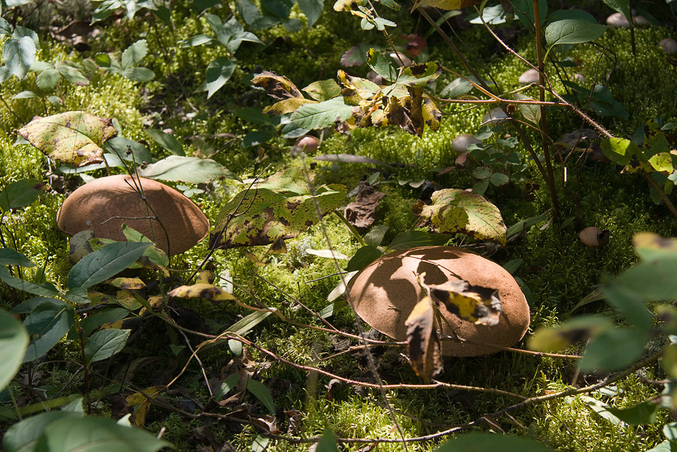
x,y
23,436
488,441
246,324
47,324
644,413
96,433
621,6
650,246
613,349
525,225
572,31
48,79
312,10
138,74
219,72
455,210
629,304
71,72
363,257
375,236
262,393
321,115
261,216
13,344
177,168
411,239
20,194
104,344
379,64
167,141
120,146
8,256
134,54
73,137
578,329
19,55
322,90
43,290
531,112
105,263
419,75
652,279
328,442
620,150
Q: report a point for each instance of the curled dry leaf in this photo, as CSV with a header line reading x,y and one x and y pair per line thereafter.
x,y
208,291
422,340
362,212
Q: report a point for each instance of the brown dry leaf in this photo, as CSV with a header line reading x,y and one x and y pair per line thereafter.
x,y
362,212
276,86
476,304
422,340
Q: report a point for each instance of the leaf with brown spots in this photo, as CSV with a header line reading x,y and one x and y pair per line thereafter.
x,y
422,341
201,290
476,304
74,137
276,86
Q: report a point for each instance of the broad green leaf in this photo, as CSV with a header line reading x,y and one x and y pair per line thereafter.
x,y
246,324
524,10
381,65
19,55
572,31
134,54
454,211
629,304
47,324
620,150
488,441
95,321
531,112
138,74
375,236
621,6
644,413
104,344
322,90
23,436
121,147
48,79
327,442
8,256
13,344
652,279
285,106
321,115
73,137
167,141
665,446
411,239
613,349
525,225
97,434
20,194
602,409
662,162
185,169
262,393
458,87
311,9
572,14
261,216
219,72
71,72
363,257
578,329
105,263
248,11
43,290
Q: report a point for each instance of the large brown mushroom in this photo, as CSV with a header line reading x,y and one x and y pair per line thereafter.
x,y
386,291
104,204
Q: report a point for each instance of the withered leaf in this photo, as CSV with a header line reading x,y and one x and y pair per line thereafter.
x,y
362,212
476,304
201,290
422,341
276,86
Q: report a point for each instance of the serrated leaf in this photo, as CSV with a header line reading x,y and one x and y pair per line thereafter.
x,y
134,54
73,137
19,55
71,72
185,169
104,344
138,74
379,64
261,216
48,79
105,263
455,210
423,343
321,115
201,290
13,344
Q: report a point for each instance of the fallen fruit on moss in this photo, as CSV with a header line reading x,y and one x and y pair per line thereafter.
x,y
386,291
105,204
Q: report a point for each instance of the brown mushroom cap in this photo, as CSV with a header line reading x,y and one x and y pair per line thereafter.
x,y
104,204
385,292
